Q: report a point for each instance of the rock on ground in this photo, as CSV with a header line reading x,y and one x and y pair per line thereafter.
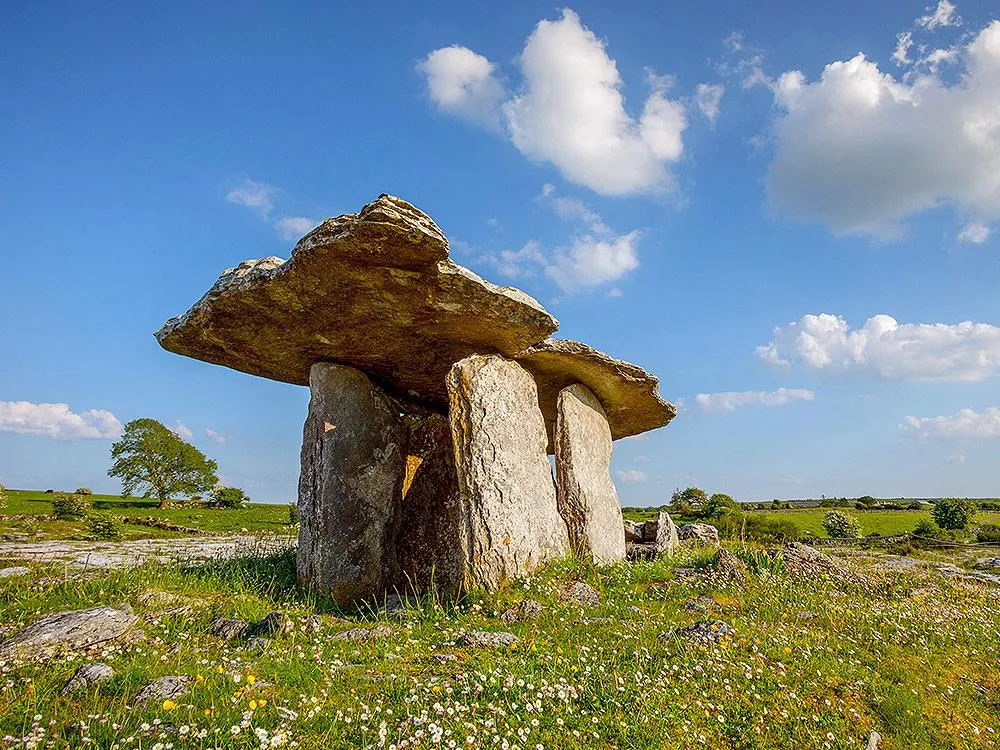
x,y
528,609
633,531
578,592
430,541
586,495
64,631
801,559
226,628
704,633
729,565
15,572
485,639
87,676
169,687
275,623
699,533
353,462
667,541
508,500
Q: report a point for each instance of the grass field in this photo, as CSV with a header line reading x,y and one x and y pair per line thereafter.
x,y
912,657
254,517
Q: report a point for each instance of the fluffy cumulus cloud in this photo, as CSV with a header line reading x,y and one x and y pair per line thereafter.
x,y
256,195
631,475
966,423
214,436
463,83
293,227
182,431
884,348
859,150
594,255
731,400
975,233
57,421
570,111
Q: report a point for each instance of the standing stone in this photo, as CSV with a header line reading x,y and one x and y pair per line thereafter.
x,y
353,459
667,541
586,494
430,541
510,522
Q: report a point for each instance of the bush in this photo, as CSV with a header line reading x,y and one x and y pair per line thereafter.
x,y
841,526
988,533
70,507
755,527
3,498
293,514
229,497
104,527
84,491
953,513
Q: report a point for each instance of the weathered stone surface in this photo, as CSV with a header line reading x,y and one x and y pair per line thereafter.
x,y
226,628
586,495
430,541
508,500
699,533
703,633
636,551
630,395
486,639
63,631
169,687
528,609
578,592
87,676
374,290
633,531
667,541
15,572
353,462
275,623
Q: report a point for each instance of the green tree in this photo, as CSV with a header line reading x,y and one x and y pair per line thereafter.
x,y
953,513
152,458
841,526
688,502
718,504
229,497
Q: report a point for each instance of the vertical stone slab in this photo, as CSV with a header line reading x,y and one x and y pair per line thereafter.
x,y
588,500
430,541
508,500
353,460
667,541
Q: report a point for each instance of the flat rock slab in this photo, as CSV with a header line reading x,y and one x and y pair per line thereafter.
x,y
227,629
374,290
18,571
487,639
699,533
587,498
704,633
67,631
667,540
87,676
510,521
169,687
630,395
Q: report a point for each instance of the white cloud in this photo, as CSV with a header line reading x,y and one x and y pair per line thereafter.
x,y
975,233
965,423
943,15
590,261
569,208
57,421
218,437
631,475
182,431
956,459
860,151
293,227
708,97
256,195
732,400
570,111
904,41
887,349
463,83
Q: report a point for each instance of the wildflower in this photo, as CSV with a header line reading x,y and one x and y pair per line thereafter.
x,y
169,705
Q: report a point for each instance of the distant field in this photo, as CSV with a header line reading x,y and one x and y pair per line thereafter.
x,y
253,517
810,520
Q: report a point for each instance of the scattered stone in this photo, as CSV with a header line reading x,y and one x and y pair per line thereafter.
x,y
169,687
578,592
704,632
444,658
15,572
801,559
729,565
699,605
364,634
874,741
508,497
528,609
226,628
633,531
586,495
353,463
276,623
485,639
636,551
87,676
699,533
258,643
666,541
986,563
63,631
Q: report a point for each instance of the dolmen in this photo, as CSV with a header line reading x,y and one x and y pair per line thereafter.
x,y
435,400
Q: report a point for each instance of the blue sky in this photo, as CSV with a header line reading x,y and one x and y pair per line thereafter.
x,y
787,211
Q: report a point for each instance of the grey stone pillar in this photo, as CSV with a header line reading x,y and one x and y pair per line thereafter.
x,y
353,461
430,541
588,500
508,506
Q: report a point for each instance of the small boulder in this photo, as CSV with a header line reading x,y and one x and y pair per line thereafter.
x,y
63,631
485,639
729,565
15,572
169,687
227,629
699,533
276,623
578,592
633,532
666,541
528,609
987,563
637,551
703,633
87,676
